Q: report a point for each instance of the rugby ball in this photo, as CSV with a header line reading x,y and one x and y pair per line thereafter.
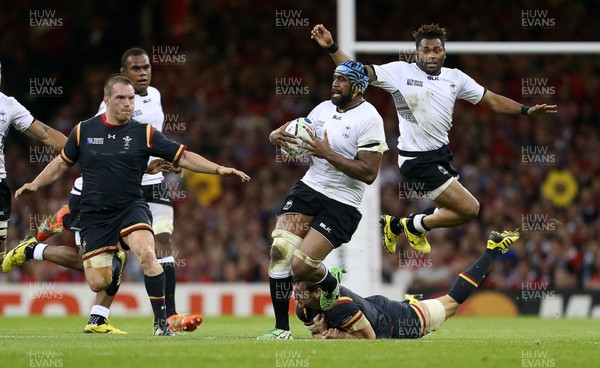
x,y
299,128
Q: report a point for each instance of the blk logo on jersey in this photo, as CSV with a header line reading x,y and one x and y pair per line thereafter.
x,y
3,118
453,89
433,77
442,170
95,140
325,227
288,205
336,117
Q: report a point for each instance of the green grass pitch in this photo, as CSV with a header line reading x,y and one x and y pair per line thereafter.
x,y
230,342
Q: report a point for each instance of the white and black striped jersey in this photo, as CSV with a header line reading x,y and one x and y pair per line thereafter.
x,y
360,128
425,103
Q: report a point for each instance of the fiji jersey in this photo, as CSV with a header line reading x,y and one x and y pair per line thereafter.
x,y
384,315
113,159
148,110
425,103
11,113
360,128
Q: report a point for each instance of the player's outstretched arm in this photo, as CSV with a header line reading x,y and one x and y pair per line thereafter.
x,y
505,105
45,134
323,37
194,162
49,175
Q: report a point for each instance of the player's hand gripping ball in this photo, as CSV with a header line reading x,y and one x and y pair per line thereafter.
x,y
299,128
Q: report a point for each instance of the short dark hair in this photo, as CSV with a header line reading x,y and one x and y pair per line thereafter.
x,y
134,51
429,32
114,79
309,285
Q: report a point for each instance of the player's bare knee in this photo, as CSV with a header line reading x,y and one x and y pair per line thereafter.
x,y
473,210
96,285
99,278
282,251
147,258
469,210
163,245
275,254
98,271
75,259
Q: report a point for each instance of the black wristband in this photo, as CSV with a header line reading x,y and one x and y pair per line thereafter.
x,y
333,48
525,109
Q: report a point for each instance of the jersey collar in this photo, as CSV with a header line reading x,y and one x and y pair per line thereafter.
x,y
103,117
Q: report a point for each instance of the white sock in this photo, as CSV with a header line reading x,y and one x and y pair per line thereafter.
x,y
38,252
100,311
418,223
169,259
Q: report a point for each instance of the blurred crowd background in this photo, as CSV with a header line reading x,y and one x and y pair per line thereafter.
x,y
221,84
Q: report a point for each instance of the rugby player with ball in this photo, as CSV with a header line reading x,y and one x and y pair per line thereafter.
x,y
321,212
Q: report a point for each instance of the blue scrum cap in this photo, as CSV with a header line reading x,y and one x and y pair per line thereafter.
x,y
356,74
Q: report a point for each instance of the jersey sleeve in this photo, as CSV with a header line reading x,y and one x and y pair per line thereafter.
x,y
372,136
70,152
314,114
469,90
306,316
389,76
161,146
346,316
20,117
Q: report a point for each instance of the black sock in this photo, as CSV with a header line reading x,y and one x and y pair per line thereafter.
x,y
469,280
113,287
395,225
329,283
96,320
155,287
281,293
169,269
428,211
410,226
29,250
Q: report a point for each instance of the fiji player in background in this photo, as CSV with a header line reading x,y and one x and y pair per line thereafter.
x,y
12,113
